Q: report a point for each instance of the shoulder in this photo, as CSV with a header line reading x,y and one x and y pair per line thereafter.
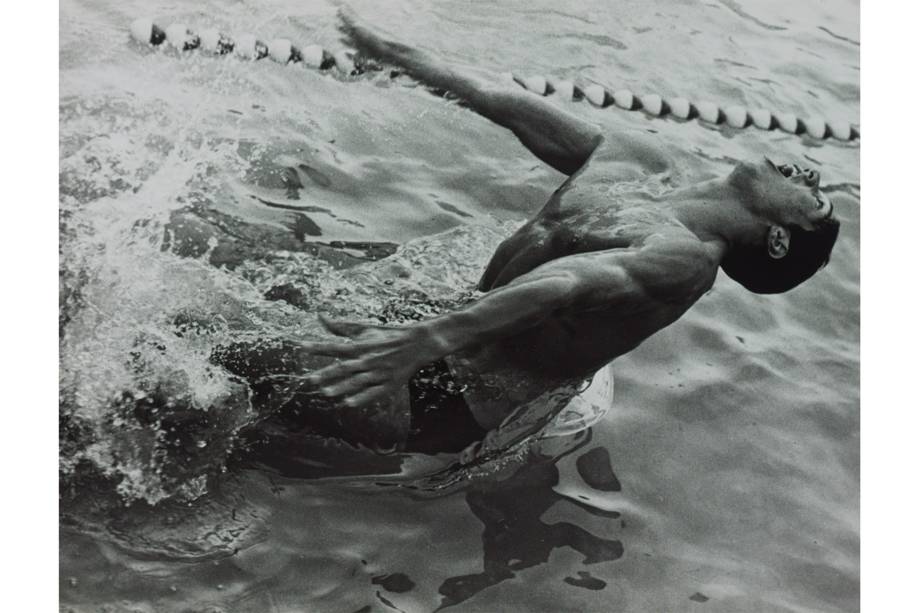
x,y
673,264
670,267
634,149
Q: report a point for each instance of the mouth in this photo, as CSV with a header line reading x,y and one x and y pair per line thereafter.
x,y
822,201
793,170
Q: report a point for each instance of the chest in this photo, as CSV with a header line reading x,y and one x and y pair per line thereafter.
x,y
576,220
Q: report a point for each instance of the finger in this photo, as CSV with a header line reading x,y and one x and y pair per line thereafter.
x,y
347,27
346,13
368,396
355,384
334,372
358,33
342,328
348,18
334,350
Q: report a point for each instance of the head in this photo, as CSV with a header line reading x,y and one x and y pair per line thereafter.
x,y
796,227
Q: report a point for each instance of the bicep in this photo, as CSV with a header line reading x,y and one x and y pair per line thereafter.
x,y
668,272
568,143
554,135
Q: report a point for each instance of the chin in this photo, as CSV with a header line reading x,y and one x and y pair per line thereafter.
x,y
745,174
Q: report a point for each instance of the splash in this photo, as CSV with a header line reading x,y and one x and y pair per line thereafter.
x,y
155,275
183,231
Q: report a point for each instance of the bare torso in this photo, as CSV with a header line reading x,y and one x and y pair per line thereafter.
x,y
598,270
586,214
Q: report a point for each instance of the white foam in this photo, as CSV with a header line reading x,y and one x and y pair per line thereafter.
x,y
587,408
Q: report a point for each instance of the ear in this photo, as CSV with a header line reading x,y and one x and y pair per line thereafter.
x,y
778,242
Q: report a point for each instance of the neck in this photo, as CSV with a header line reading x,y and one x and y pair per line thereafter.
x,y
715,210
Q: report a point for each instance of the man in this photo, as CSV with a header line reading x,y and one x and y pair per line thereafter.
x,y
589,278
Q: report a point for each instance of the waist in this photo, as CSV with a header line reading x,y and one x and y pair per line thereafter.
x,y
440,417
493,391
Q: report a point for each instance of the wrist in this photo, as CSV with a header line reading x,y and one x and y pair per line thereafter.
x,y
434,340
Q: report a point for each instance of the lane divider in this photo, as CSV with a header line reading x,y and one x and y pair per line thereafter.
x,y
248,46
680,108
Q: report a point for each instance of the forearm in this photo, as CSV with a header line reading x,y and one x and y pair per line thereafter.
x,y
500,313
662,279
558,138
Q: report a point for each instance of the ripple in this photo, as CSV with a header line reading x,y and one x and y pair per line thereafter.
x,y
735,7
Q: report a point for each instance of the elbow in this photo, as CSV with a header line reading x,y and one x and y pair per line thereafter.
x,y
564,290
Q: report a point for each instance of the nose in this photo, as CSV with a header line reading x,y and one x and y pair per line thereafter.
x,y
812,178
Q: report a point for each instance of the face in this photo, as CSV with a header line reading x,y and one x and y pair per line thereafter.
x,y
792,195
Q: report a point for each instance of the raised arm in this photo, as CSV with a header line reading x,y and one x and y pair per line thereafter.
x,y
381,359
558,138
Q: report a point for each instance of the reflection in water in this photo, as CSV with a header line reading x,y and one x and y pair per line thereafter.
x,y
211,527
188,439
237,523
514,536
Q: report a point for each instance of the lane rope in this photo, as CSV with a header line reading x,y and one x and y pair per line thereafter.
x,y
247,46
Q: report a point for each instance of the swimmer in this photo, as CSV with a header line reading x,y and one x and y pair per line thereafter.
x,y
591,275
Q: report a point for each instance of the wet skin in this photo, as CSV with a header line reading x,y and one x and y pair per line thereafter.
x,y
590,276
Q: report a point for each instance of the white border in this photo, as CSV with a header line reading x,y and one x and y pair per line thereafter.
x,y
28,239
890,238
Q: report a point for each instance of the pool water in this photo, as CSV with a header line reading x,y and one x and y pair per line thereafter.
x,y
206,200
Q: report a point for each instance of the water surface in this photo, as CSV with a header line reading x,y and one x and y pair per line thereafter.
x,y
724,478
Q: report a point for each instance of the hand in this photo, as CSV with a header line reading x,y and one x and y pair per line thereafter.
x,y
375,365
368,40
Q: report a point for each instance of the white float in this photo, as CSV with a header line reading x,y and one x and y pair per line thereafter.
x,y
736,116
595,94
708,111
680,107
762,118
651,104
178,35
